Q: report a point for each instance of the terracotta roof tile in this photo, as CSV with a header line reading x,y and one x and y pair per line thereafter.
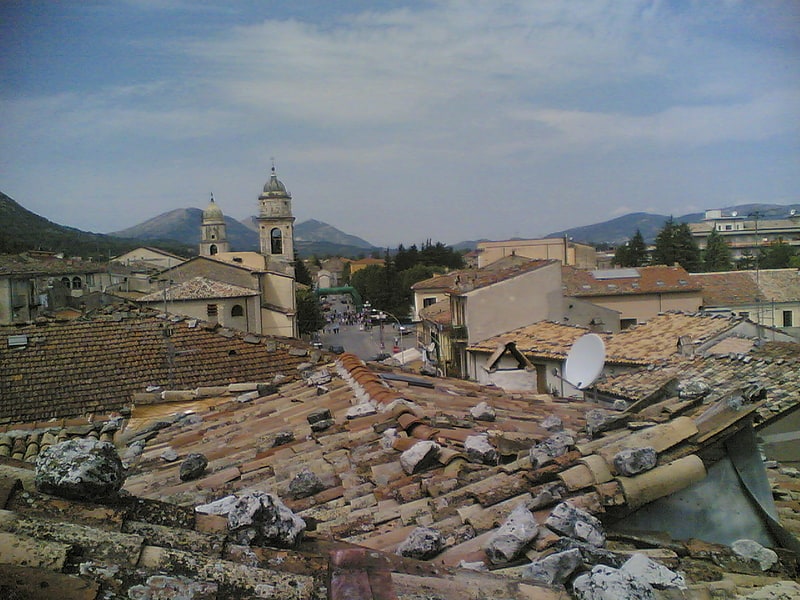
x,y
367,497
66,369
618,282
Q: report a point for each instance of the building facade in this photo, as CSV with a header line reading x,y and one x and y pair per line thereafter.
x,y
568,252
637,294
746,234
35,284
769,297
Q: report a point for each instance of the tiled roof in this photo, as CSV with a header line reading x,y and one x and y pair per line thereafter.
x,y
779,285
24,264
200,288
748,287
258,442
658,338
544,339
646,343
438,312
368,498
724,289
642,280
69,369
775,366
469,279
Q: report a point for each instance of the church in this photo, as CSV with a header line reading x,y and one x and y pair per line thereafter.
x,y
249,291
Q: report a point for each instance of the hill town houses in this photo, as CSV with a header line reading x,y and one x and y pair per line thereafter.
x,y
248,463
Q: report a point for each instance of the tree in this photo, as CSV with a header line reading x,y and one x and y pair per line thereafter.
x,y
675,244
746,262
717,256
778,255
309,314
633,253
301,273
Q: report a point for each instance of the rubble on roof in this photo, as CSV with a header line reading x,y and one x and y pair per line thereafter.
x,y
365,508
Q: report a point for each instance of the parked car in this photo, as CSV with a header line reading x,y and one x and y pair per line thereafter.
x,y
336,349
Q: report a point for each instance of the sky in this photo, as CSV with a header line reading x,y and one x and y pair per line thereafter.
x,y
399,121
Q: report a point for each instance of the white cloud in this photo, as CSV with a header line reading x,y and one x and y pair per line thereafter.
x,y
545,109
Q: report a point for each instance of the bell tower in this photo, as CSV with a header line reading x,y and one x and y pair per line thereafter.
x,y
213,236
276,225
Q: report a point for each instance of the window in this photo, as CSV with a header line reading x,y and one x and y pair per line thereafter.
x,y
787,318
237,310
65,282
428,301
76,283
211,310
276,241
212,250
90,279
626,323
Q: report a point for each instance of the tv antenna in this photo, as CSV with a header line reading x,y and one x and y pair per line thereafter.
x,y
585,361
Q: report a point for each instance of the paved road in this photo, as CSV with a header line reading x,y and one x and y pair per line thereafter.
x,y
364,344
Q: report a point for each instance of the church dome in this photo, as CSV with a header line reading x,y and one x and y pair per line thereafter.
x,y
213,212
275,185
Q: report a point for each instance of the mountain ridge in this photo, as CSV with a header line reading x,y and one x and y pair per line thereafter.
x,y
178,231
620,229
312,237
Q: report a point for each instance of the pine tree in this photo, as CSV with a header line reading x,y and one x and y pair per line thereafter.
x,y
301,272
778,255
687,249
717,255
633,253
309,314
675,244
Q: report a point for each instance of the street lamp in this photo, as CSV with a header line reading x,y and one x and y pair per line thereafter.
x,y
381,317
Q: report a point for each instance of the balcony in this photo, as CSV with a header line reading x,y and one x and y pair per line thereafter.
x,y
459,333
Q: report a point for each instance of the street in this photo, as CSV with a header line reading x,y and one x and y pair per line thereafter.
x,y
365,344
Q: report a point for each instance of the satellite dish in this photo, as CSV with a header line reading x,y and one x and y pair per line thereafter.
x,y
735,213
585,361
792,212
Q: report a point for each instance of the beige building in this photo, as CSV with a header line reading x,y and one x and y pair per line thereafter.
x,y
35,283
770,297
147,256
231,292
473,305
534,357
745,234
363,263
132,271
250,291
568,252
637,294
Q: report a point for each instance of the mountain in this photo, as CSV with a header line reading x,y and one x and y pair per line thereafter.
x,y
620,230
23,230
183,225
317,231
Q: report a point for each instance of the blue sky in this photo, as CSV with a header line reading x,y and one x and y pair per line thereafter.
x,y
400,121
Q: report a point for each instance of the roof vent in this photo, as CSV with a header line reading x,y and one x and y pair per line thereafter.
x,y
17,341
